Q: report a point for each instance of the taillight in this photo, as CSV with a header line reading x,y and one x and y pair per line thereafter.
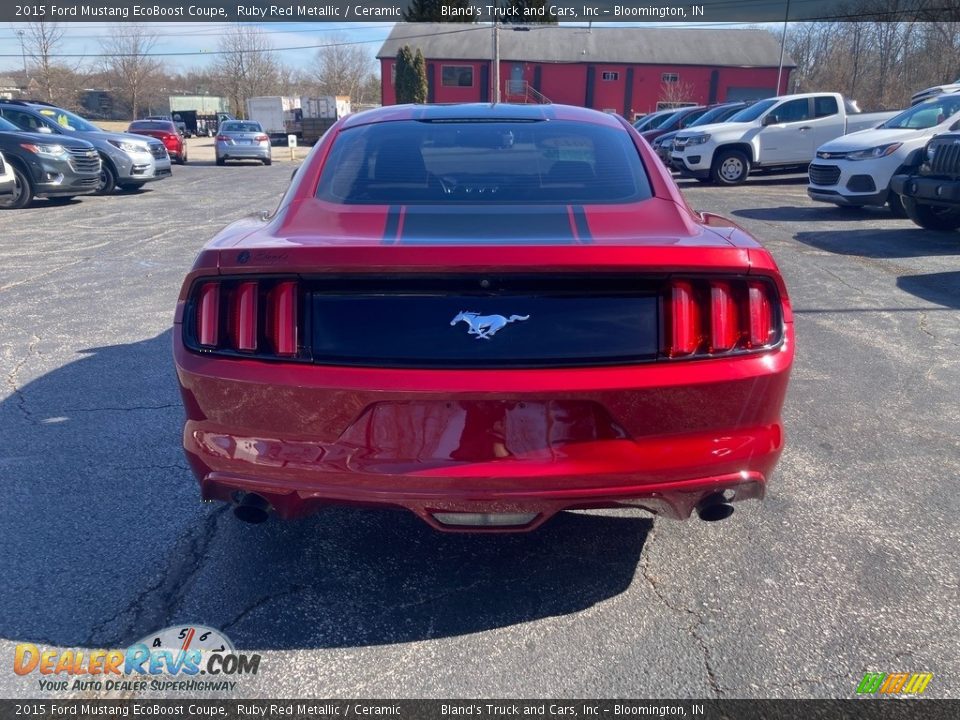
x,y
208,314
262,138
249,317
243,316
683,320
760,313
282,318
223,138
711,317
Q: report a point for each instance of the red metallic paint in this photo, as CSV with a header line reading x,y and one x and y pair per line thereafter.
x,y
663,436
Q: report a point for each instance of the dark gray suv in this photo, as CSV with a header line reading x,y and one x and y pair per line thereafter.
x,y
43,166
128,161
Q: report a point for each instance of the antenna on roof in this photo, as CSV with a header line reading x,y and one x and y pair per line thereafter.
x,y
590,26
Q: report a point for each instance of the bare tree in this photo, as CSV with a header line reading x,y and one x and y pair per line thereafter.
x,y
343,69
42,41
129,66
246,67
676,93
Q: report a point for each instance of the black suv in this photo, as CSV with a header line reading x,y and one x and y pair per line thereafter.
x,y
43,166
931,189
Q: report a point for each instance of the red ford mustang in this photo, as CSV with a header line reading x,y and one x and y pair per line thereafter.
x,y
484,315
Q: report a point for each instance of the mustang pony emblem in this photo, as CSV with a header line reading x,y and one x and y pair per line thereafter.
x,y
485,326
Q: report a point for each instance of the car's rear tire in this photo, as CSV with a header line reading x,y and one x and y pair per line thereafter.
x,y
731,167
931,217
268,161
22,191
895,203
221,161
108,180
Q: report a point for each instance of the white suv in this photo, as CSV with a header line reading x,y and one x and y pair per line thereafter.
x,y
855,170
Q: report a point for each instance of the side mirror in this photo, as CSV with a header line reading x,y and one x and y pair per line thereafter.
x,y
770,119
45,130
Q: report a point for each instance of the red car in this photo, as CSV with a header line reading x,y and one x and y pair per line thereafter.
x,y
166,132
483,314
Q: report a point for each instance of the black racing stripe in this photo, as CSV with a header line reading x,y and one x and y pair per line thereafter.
x,y
583,228
500,227
393,223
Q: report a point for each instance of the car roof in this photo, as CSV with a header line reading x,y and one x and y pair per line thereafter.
x,y
482,112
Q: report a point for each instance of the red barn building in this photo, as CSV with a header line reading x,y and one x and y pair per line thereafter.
x,y
628,70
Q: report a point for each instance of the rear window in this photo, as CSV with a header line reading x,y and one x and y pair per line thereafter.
x,y
153,125
240,127
541,162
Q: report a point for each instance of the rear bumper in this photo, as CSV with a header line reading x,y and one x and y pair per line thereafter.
x,y
664,436
240,152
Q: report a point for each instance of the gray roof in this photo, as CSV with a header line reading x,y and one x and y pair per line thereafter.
x,y
567,44
8,82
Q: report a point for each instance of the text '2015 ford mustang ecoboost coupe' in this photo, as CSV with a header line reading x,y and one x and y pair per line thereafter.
x,y
484,314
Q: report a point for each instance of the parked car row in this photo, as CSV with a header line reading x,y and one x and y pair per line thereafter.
x,y
909,161
53,153
776,134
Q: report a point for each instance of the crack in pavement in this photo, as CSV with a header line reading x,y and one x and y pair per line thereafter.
x,y
924,330
154,606
260,602
15,388
654,582
122,409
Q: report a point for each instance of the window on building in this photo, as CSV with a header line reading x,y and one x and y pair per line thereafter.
x,y
611,75
457,76
393,73
670,77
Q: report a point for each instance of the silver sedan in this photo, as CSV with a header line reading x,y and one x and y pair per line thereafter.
x,y
242,140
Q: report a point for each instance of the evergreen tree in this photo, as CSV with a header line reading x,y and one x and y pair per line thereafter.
x,y
404,76
419,78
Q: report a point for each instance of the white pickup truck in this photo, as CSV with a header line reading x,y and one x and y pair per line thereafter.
x,y
779,133
856,169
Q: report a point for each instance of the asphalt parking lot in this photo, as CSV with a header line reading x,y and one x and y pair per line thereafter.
x,y
849,565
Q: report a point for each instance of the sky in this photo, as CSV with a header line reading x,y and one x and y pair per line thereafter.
x,y
189,45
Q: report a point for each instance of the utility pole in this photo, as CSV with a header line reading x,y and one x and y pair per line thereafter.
x,y
783,42
495,75
23,52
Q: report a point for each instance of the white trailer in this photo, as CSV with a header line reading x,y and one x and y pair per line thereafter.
x,y
279,116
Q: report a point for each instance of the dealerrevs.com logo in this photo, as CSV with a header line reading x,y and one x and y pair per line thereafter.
x,y
184,658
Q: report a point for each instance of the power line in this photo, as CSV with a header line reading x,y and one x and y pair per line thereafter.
x,y
209,53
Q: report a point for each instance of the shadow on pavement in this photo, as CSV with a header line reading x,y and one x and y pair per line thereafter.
x,y
941,288
108,542
817,213
907,242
